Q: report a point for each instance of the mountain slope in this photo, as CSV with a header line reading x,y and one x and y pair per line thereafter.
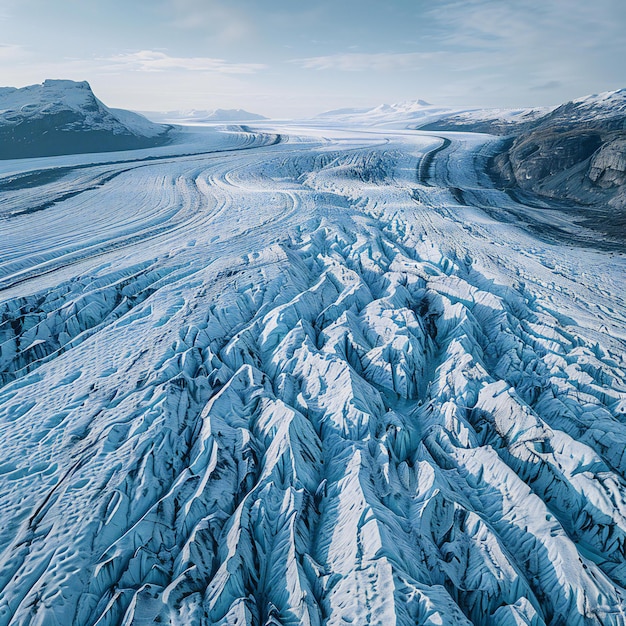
x,y
494,121
577,152
64,117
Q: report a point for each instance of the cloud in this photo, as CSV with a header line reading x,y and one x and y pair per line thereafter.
x,y
218,19
356,62
550,84
10,52
557,47
156,61
527,26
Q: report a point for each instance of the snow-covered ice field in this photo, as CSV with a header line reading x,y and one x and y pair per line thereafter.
x,y
306,375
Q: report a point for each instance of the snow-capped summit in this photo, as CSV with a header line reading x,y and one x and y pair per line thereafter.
x,y
407,106
405,113
49,94
63,117
613,100
604,110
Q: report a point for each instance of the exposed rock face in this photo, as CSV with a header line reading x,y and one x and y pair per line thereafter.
x,y
608,165
64,117
577,152
547,154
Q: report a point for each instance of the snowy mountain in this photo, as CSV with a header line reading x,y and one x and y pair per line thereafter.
x,y
399,115
312,375
607,109
494,121
64,117
577,152
204,116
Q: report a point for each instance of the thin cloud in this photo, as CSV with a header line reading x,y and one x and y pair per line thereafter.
x,y
357,62
216,18
156,61
533,42
550,84
10,52
526,26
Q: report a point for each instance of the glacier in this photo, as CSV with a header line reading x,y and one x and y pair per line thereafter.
x,y
306,374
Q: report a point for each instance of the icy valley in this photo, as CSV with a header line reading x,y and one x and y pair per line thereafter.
x,y
320,373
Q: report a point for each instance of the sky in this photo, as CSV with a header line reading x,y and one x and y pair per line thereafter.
x,y
292,58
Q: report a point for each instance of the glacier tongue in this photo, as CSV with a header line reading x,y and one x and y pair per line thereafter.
x,y
291,384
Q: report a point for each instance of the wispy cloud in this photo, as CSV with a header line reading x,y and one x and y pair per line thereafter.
x,y
156,61
529,27
544,46
356,61
6,10
219,19
548,85
10,52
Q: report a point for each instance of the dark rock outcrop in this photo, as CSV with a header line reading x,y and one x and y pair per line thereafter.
x,y
575,153
608,165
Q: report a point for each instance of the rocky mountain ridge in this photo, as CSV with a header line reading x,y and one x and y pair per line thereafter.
x,y
576,152
65,117
573,152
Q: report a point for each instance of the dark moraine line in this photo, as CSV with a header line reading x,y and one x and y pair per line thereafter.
x,y
34,178
423,167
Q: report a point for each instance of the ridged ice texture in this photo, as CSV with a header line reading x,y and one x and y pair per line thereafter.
x,y
295,385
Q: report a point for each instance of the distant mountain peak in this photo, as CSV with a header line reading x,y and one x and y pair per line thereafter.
x,y
200,116
64,83
603,96
405,106
410,104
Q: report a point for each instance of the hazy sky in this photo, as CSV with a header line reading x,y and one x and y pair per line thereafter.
x,y
292,58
